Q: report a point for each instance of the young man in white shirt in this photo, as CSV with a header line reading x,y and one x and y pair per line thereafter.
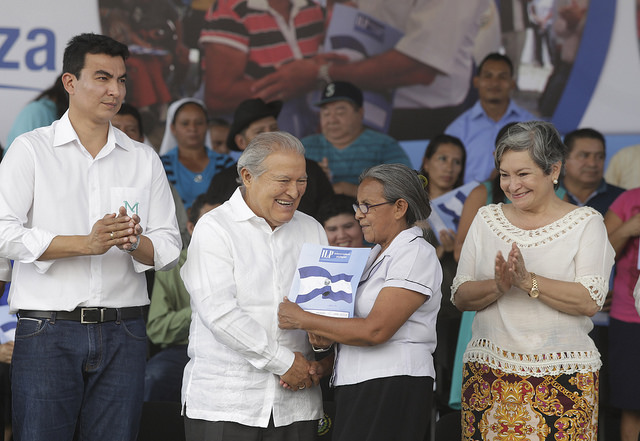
x,y
84,211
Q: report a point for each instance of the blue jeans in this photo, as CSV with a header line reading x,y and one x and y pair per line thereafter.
x,y
163,376
69,378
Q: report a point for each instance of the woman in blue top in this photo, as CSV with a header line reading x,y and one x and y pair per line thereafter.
x,y
191,165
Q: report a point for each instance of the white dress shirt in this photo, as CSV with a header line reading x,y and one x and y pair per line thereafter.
x,y
237,272
49,186
409,262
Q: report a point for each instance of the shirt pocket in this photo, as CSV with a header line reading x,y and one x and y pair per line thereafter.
x,y
134,199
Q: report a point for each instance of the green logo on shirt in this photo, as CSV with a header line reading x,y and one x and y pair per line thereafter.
x,y
133,209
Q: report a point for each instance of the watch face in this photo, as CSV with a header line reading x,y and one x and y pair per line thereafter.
x,y
534,293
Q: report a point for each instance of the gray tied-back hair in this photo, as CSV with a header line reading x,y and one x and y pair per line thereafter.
x,y
400,182
539,138
262,146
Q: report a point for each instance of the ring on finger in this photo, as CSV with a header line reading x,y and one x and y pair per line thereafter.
x,y
111,234
302,387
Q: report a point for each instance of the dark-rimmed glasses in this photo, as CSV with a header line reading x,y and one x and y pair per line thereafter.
x,y
364,208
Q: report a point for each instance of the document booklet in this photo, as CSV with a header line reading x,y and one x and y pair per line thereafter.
x,y
326,279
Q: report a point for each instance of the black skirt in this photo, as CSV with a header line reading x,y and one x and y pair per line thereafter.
x,y
384,409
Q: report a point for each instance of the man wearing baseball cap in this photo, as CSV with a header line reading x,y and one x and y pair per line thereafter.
x,y
345,148
252,117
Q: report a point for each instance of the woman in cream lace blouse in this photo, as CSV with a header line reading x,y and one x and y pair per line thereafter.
x,y
535,270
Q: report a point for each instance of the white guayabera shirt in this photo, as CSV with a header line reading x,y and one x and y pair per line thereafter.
x,y
237,272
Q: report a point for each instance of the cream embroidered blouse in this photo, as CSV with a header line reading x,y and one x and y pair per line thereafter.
x,y
521,335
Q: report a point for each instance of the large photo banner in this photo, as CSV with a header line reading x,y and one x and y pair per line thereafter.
x,y
576,62
33,35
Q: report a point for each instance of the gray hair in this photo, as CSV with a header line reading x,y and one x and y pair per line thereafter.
x,y
400,182
262,146
539,138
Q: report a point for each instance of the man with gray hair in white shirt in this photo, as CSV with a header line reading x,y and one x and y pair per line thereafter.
x,y
240,265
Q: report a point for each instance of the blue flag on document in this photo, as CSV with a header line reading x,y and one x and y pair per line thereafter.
x,y
327,279
315,281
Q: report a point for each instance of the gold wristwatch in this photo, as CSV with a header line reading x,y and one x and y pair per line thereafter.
x,y
534,292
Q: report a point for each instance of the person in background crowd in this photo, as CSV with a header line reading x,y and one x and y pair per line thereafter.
x,y
384,369
623,225
345,148
478,127
190,165
168,322
251,118
534,270
49,106
443,165
78,286
584,185
623,168
583,171
129,121
218,133
340,224
249,245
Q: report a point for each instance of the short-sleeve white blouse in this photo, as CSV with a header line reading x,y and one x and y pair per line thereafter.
x,y
522,335
409,262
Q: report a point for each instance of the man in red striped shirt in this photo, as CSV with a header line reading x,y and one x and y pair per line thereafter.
x,y
244,40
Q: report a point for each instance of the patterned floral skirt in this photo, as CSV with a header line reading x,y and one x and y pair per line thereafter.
x,y
497,406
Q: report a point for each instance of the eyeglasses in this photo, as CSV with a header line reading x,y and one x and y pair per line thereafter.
x,y
364,208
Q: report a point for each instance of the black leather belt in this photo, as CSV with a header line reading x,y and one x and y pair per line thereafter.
x,y
86,315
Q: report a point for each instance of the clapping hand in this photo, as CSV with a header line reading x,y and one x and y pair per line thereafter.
x,y
512,271
502,276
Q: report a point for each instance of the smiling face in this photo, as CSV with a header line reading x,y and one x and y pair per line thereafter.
x,y
524,183
190,126
444,168
97,93
275,194
341,122
585,163
343,230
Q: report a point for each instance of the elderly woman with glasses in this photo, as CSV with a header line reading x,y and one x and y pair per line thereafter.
x,y
384,371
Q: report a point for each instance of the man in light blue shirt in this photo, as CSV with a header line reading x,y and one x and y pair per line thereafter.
x,y
479,126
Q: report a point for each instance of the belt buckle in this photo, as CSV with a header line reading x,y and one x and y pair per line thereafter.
x,y
85,321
